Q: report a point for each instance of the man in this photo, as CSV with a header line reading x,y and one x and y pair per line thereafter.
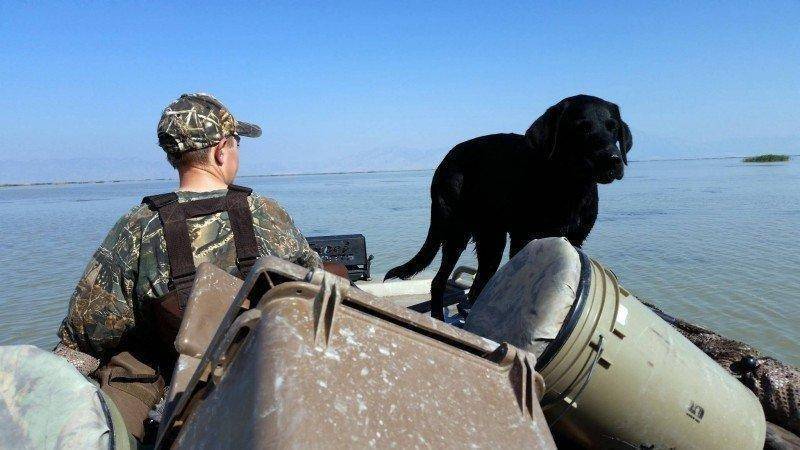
x,y
127,306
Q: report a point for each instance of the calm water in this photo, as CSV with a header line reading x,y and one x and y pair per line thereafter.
x,y
716,242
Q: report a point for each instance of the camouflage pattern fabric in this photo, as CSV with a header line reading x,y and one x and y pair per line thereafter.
x,y
526,302
130,270
45,403
196,121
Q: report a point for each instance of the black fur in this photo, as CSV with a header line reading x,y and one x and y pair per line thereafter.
x,y
540,184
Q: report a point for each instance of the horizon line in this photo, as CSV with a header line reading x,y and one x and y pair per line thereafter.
x,y
293,174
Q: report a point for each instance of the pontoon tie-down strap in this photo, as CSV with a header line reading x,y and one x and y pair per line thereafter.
x,y
174,215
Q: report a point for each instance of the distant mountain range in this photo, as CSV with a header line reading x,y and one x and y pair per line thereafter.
x,y
646,147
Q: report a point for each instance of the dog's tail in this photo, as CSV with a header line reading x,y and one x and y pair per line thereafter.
x,y
423,257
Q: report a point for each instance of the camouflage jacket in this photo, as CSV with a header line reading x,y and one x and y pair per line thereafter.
x,y
131,269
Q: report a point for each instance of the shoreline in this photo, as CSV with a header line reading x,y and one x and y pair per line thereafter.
x,y
144,180
295,174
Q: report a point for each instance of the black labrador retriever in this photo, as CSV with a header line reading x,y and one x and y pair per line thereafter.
x,y
533,186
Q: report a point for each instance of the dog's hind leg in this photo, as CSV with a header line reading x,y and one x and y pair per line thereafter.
x,y
452,247
489,247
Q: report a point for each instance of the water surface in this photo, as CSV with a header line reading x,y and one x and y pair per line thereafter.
x,y
715,242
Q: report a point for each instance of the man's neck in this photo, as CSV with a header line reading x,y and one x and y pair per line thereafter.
x,y
198,179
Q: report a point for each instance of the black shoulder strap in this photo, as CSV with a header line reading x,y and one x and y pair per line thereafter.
x,y
233,187
244,235
179,249
155,202
174,215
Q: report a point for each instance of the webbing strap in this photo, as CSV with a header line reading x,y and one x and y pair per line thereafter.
x,y
179,249
155,202
244,235
174,216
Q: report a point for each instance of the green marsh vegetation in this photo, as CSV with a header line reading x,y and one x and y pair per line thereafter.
x,y
766,158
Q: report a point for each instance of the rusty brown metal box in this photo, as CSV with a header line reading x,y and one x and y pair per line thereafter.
x,y
319,363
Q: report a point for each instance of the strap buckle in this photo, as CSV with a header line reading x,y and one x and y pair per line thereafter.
x,y
246,261
245,264
183,281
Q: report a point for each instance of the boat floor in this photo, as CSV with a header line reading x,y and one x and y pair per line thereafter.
x,y
416,295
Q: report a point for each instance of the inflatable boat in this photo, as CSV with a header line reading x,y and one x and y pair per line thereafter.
x,y
554,352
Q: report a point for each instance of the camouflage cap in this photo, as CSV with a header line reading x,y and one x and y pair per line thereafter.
x,y
196,121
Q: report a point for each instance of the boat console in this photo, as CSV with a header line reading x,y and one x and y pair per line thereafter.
x,y
349,250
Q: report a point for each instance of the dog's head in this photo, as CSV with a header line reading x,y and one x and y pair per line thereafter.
x,y
582,132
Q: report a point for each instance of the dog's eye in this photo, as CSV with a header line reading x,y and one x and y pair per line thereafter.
x,y
611,125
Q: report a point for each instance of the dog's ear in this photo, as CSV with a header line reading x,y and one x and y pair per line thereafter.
x,y
624,135
543,134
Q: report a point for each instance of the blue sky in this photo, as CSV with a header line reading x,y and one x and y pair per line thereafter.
x,y
371,85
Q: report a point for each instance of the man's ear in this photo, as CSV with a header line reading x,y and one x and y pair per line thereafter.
x,y
219,152
543,133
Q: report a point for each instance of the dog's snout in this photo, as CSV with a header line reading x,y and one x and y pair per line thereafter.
x,y
612,158
612,151
609,164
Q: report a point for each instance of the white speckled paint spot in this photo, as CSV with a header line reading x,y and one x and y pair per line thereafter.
x,y
330,353
492,343
349,336
269,411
